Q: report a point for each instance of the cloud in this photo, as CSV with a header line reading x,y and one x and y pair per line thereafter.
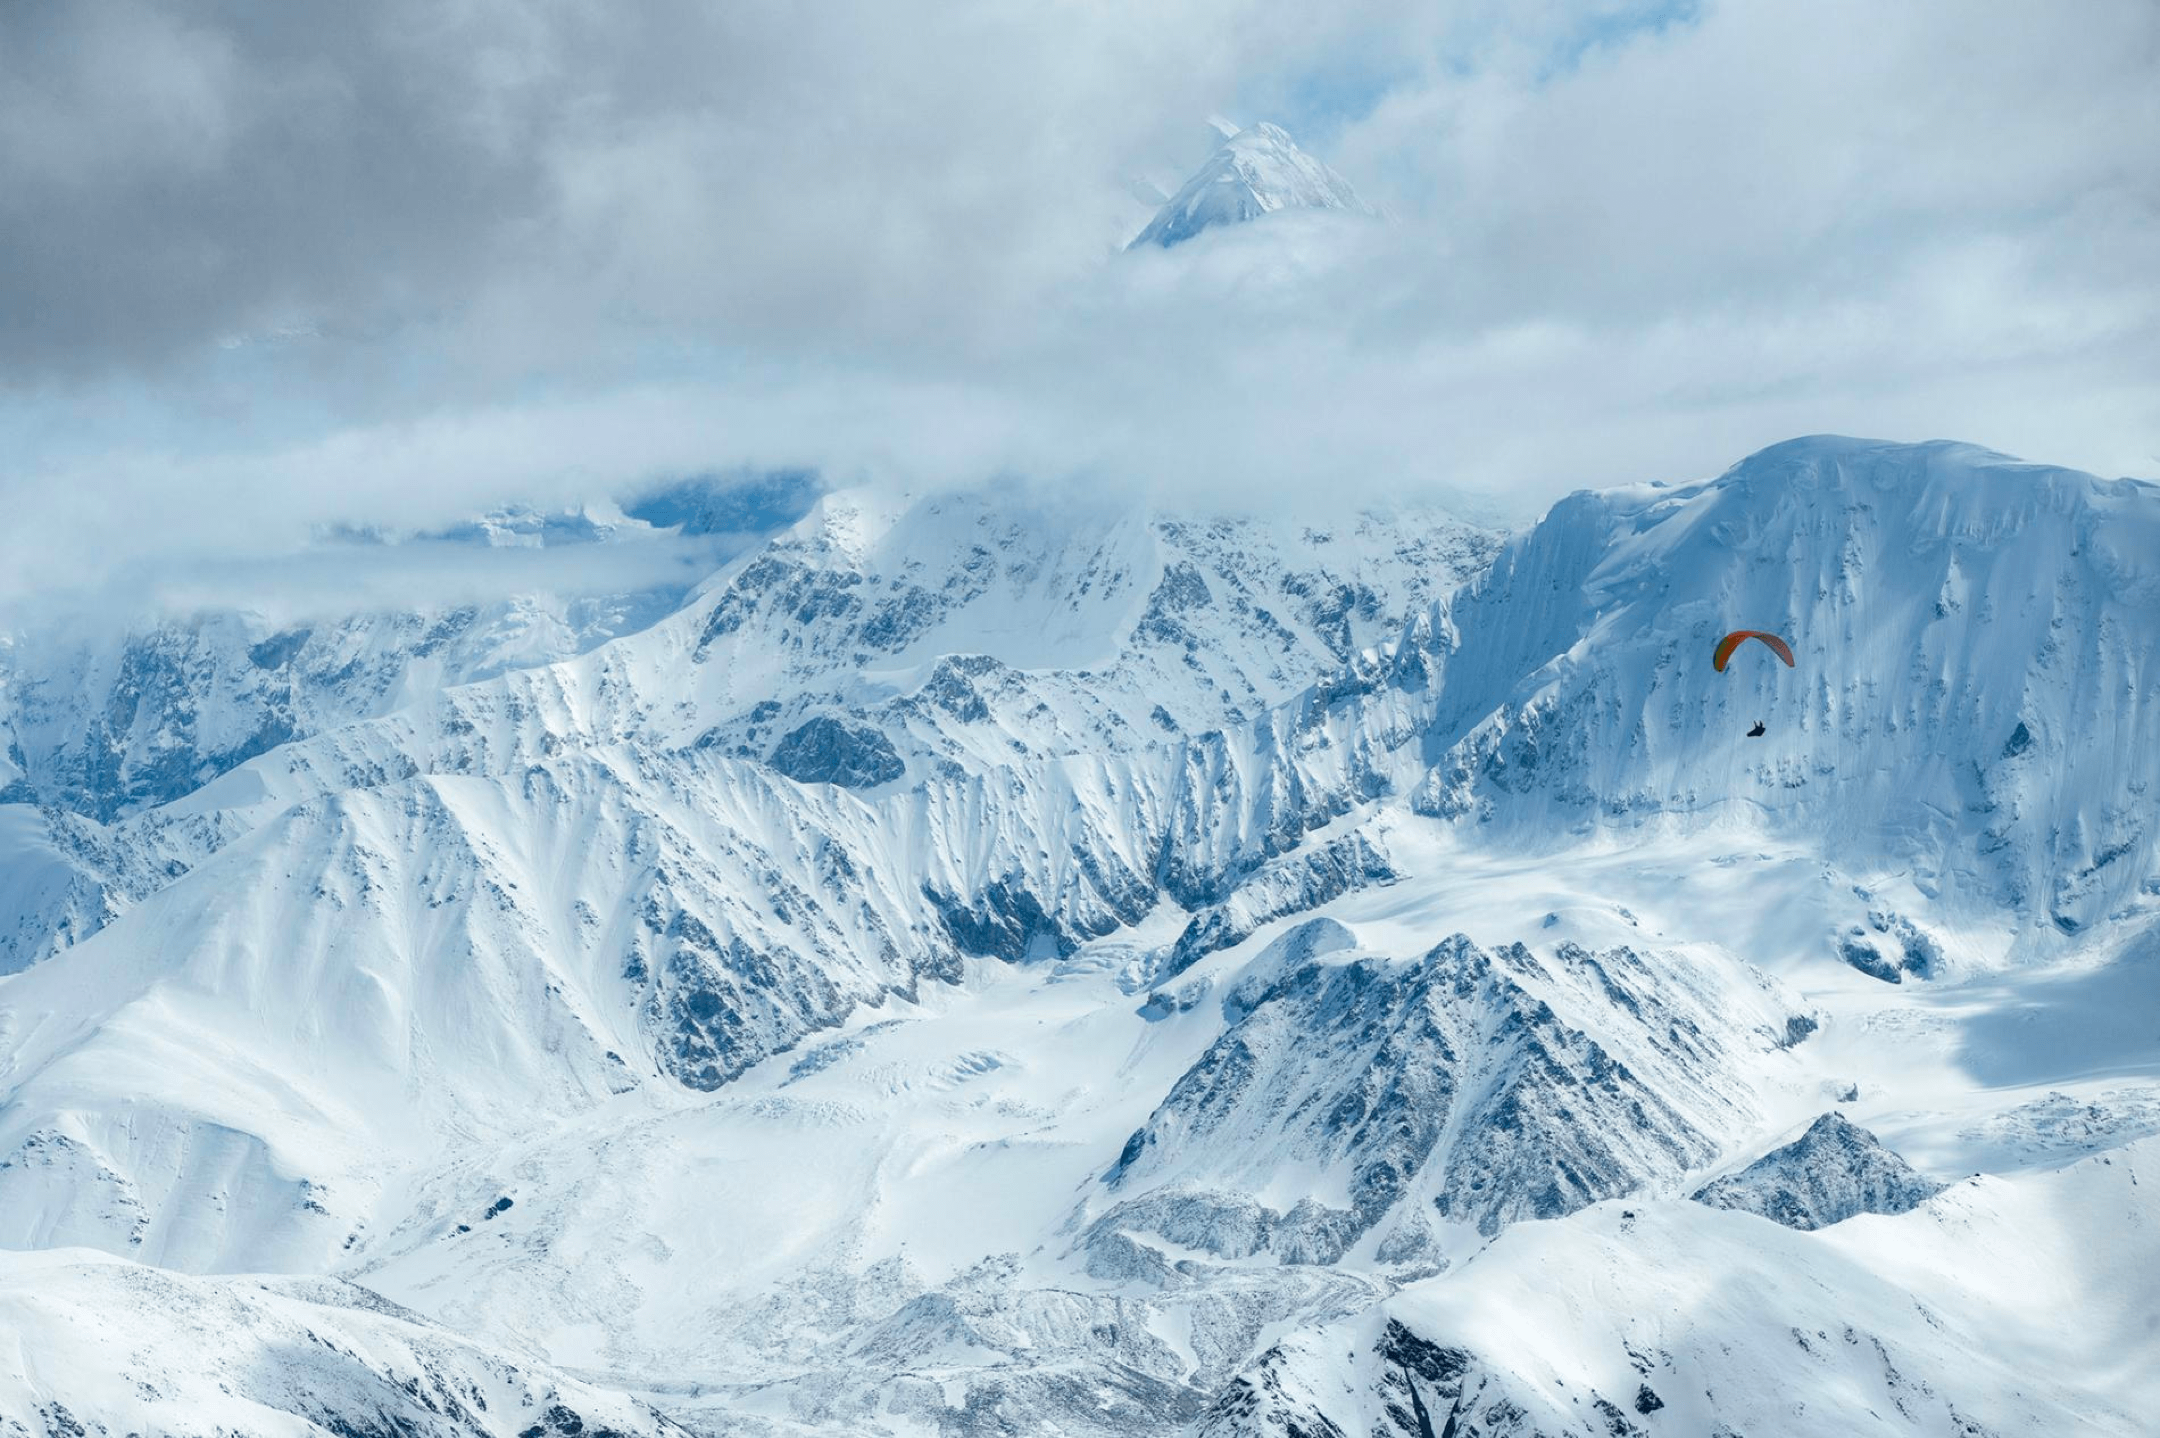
x,y
263,270
178,174
501,175
667,543
331,580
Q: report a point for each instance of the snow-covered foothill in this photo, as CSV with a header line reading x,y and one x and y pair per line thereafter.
x,y
100,1345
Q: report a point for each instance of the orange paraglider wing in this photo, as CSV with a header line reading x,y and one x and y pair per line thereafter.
x,y
1734,640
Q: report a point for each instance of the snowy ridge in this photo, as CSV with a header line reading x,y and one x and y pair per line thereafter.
x,y
911,653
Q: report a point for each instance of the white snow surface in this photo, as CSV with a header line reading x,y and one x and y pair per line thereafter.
x,y
1247,973
129,1348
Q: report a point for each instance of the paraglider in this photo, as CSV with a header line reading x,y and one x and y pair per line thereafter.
x,y
1724,653
1734,640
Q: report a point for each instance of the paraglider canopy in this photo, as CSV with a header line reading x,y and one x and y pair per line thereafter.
x,y
1734,640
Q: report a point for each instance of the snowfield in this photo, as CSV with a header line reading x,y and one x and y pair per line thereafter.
x,y
986,964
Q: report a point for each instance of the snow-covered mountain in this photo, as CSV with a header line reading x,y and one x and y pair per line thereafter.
x,y
1455,1089
1827,1175
1977,672
984,962
1257,171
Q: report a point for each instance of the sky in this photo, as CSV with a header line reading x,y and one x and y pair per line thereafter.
x,y
269,268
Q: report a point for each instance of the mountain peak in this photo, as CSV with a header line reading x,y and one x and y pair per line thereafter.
x,y
1256,171
1830,1173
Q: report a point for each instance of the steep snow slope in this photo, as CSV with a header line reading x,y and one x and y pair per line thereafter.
x,y
1978,679
1257,171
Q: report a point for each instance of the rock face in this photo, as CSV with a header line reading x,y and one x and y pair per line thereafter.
x,y
1914,951
1418,1389
1830,1173
1480,1087
827,751
1258,171
1294,884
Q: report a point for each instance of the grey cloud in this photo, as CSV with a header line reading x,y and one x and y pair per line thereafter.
x,y
519,179
539,252
176,174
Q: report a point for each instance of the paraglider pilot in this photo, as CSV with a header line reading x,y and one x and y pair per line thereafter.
x,y
1724,653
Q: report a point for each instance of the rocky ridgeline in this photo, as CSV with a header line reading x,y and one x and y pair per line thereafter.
x,y
1468,1086
1170,630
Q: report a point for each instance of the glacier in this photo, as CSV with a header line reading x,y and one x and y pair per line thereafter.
x,y
997,961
